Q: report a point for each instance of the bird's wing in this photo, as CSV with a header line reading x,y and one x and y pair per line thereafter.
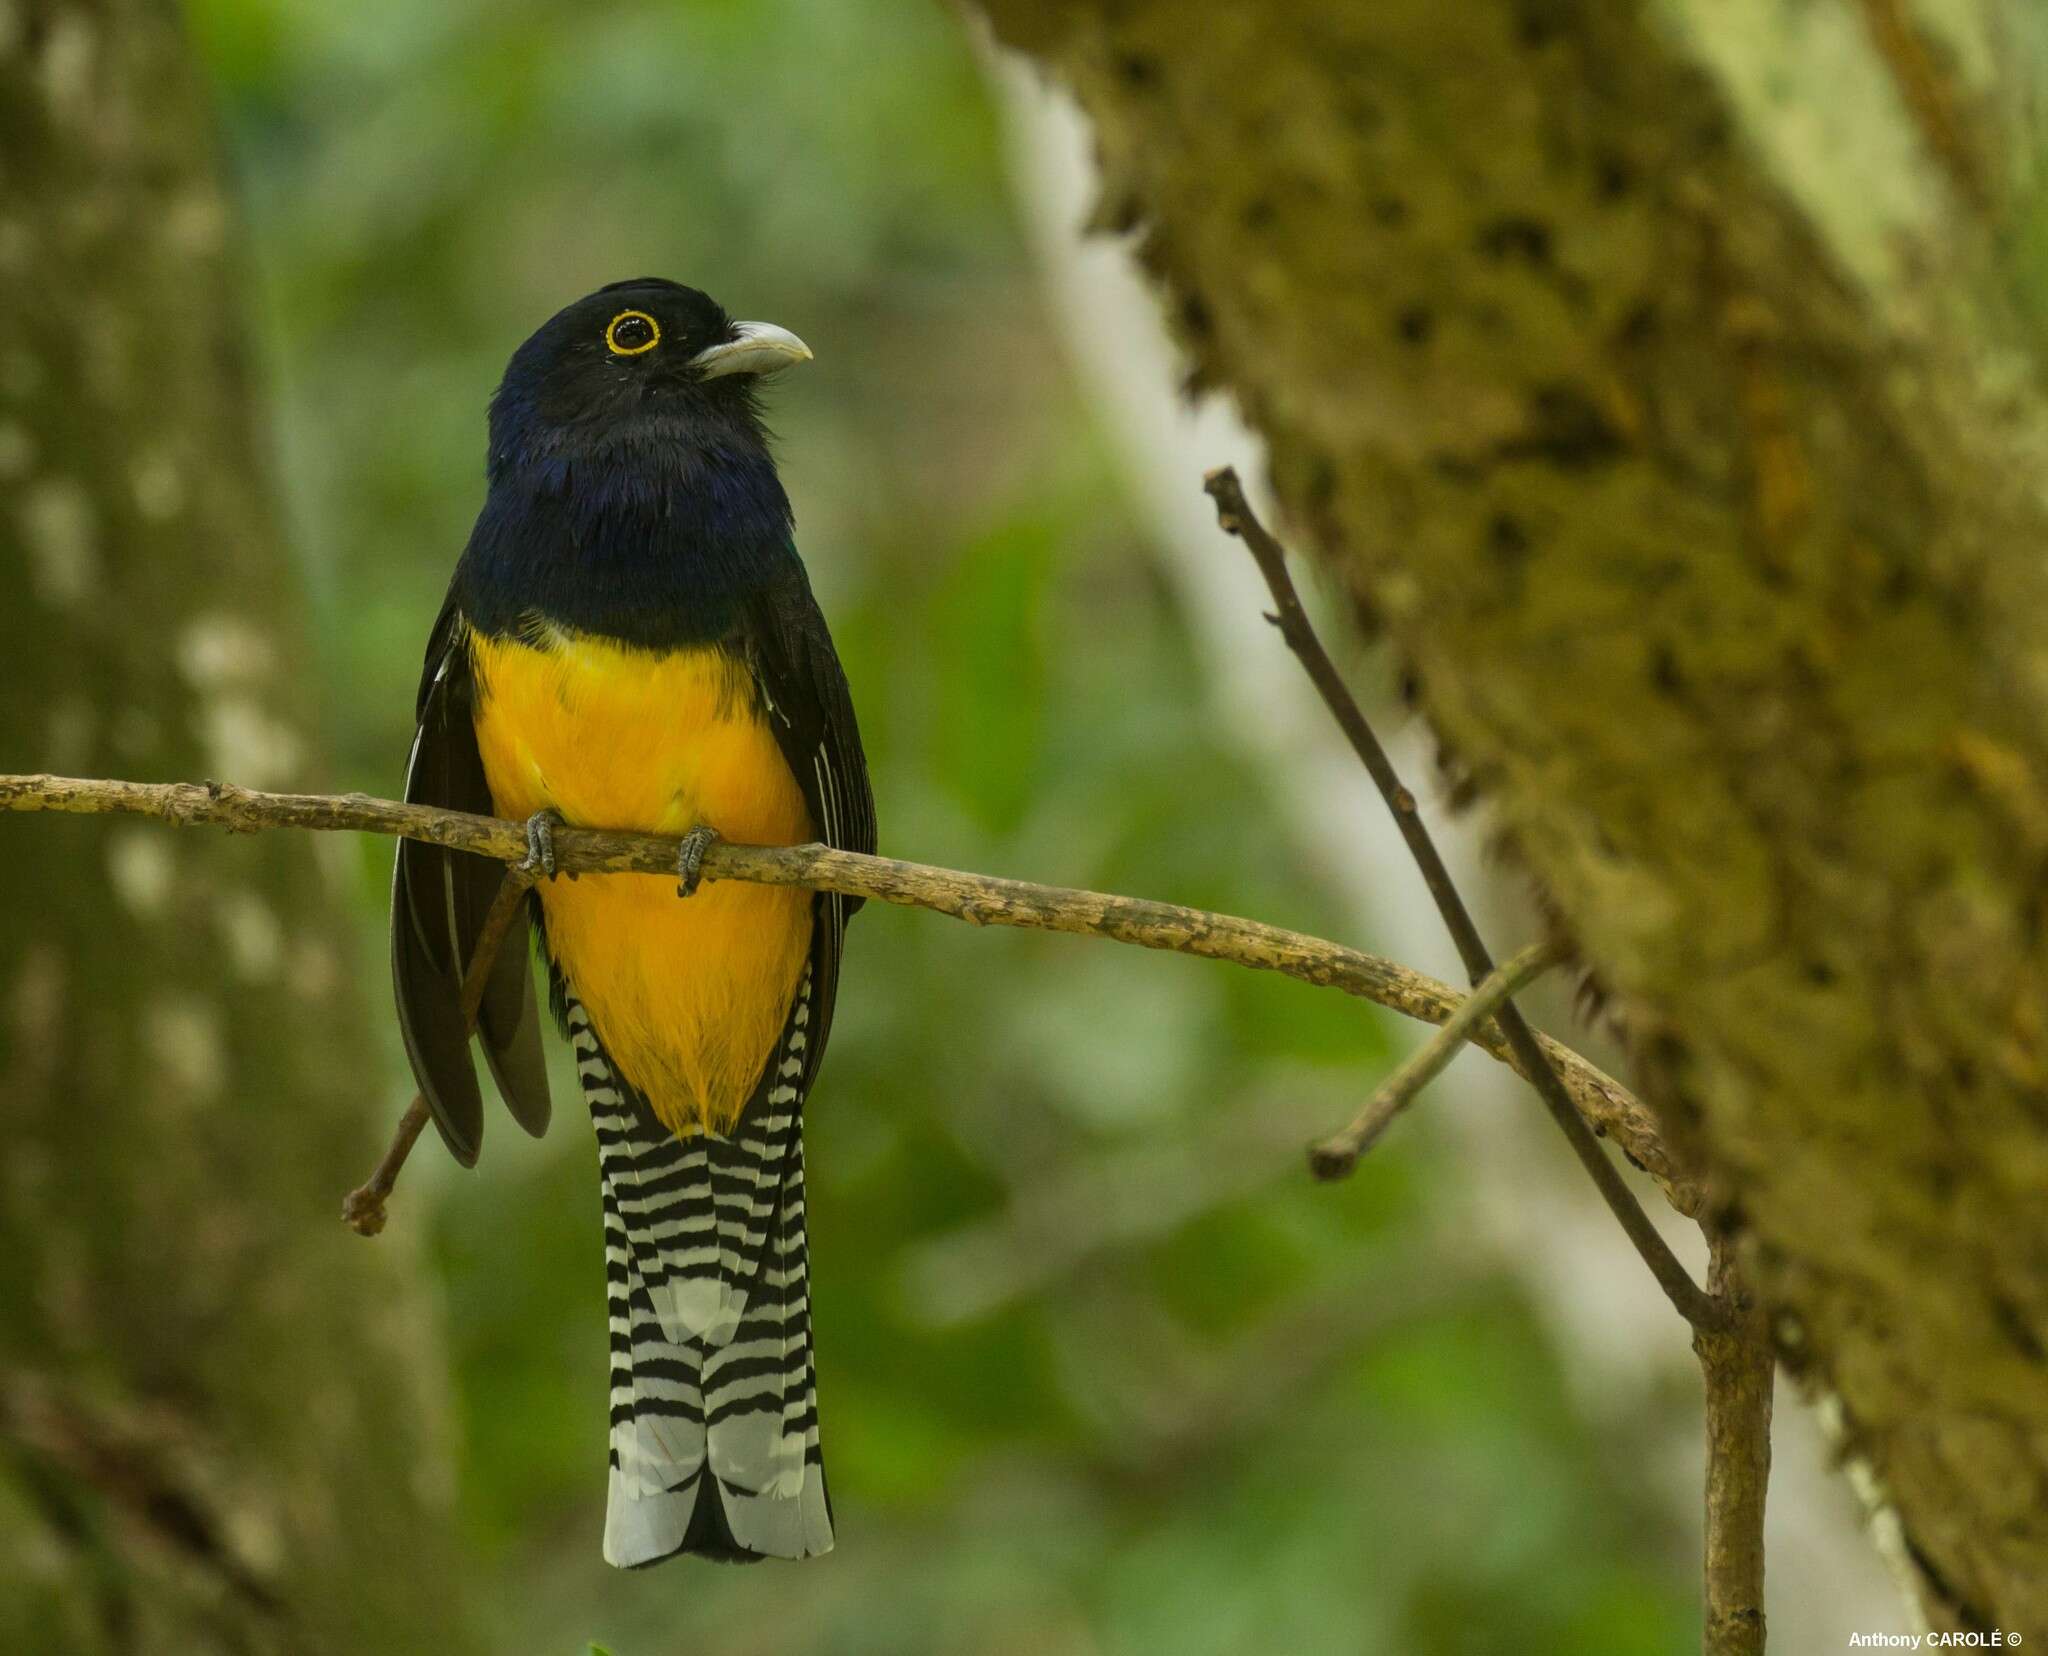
x,y
804,693
439,899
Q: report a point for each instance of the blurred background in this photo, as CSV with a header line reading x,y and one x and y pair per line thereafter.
x,y
1100,1370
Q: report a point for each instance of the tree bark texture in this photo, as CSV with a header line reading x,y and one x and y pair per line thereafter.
x,y
220,1427
1664,377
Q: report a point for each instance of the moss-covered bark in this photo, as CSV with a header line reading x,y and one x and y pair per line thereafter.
x,y
217,1409
1665,376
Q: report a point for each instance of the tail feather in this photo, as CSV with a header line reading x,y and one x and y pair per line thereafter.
x,y
708,1285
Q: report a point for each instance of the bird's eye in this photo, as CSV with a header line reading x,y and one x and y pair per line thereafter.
x,y
632,332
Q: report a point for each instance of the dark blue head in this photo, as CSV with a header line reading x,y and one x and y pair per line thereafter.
x,y
642,371
631,488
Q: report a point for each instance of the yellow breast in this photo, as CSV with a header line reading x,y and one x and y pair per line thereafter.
x,y
687,994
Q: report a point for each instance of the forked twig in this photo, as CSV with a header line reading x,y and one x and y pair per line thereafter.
x,y
1335,1156
1236,517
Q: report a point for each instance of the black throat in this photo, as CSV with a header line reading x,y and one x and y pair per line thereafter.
x,y
652,532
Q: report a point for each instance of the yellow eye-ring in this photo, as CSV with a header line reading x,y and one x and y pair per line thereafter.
x,y
632,332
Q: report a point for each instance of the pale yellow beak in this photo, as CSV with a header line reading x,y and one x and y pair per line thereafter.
x,y
758,348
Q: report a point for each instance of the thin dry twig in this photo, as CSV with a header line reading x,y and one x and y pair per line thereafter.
x,y
1236,517
1335,1156
979,899
362,1210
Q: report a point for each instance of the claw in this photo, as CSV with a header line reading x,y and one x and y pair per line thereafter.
x,y
690,858
540,844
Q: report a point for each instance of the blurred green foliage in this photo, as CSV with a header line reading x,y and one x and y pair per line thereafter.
x,y
1099,1370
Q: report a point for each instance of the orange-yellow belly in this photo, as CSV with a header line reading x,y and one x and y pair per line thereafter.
x,y
687,994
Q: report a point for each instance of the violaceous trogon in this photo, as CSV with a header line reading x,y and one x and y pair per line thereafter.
x,y
630,641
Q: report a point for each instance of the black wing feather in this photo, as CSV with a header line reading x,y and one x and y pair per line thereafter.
x,y
439,901
810,708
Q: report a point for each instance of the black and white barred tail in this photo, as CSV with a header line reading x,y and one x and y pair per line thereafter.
x,y
714,1407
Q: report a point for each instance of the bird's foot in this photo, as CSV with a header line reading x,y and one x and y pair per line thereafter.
x,y
690,858
540,844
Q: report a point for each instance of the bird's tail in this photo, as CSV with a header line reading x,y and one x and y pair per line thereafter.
x,y
714,1411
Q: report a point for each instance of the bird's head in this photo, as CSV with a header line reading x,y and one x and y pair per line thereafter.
x,y
647,365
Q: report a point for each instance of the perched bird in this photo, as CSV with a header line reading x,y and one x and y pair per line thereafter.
x,y
630,641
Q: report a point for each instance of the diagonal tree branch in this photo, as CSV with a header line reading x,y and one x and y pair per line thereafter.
x,y
1734,1349
979,899
1236,517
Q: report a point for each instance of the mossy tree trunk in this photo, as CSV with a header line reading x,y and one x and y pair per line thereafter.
x,y
1665,377
218,1411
